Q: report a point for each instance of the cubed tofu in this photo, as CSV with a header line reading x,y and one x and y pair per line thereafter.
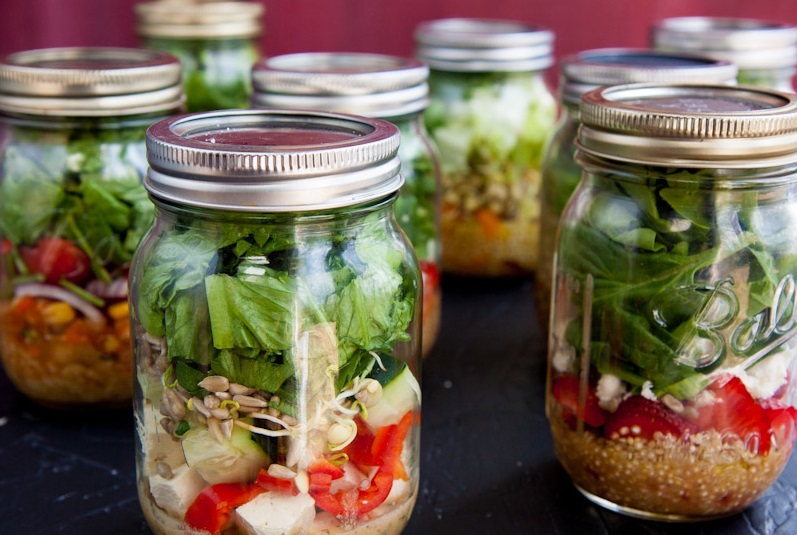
x,y
176,494
275,513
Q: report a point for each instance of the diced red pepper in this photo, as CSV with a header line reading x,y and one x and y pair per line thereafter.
x,y
213,507
389,443
359,451
269,482
356,502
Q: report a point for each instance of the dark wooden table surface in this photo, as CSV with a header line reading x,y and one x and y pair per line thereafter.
x,y
487,460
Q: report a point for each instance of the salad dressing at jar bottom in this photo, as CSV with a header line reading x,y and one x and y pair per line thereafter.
x,y
672,362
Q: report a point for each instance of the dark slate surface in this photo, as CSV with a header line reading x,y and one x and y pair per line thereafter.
x,y
487,460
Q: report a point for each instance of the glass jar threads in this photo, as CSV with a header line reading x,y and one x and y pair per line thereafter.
x,y
72,210
216,41
490,113
764,51
274,307
385,87
671,383
580,73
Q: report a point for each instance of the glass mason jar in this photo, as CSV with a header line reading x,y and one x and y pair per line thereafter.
x,y
216,41
764,51
490,113
671,385
72,210
580,73
384,87
274,307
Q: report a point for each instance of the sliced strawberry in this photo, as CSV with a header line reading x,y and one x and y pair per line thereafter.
x,y
734,412
640,417
783,422
565,390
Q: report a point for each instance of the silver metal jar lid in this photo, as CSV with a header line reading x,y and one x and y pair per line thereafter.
x,y
198,19
695,126
483,45
749,43
89,82
272,160
590,69
373,85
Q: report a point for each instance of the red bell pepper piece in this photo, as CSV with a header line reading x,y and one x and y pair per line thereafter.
x,y
269,482
389,443
212,509
356,502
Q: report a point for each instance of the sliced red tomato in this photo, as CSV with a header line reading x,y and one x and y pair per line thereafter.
x,y
356,502
57,259
639,417
213,507
565,390
735,412
269,482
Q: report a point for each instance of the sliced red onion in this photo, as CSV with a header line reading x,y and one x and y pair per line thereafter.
x,y
56,293
117,289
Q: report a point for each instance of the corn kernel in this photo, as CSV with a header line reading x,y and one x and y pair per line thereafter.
x,y
59,313
118,311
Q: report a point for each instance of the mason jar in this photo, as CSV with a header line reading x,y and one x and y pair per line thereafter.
x,y
274,307
580,73
764,51
217,43
385,87
490,113
72,210
671,384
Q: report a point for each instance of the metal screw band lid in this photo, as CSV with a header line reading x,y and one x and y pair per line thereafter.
x,y
199,19
591,69
483,45
749,43
272,160
697,126
373,85
89,82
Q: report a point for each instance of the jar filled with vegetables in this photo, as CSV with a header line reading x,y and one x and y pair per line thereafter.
x,y
72,210
764,51
672,385
580,73
216,41
385,87
490,113
274,307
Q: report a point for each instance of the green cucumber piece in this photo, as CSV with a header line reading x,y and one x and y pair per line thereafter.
x,y
237,460
400,393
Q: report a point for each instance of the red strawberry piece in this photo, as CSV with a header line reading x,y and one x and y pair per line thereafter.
x,y
735,413
640,417
565,390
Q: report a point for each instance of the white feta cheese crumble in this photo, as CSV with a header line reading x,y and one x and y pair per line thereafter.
x,y
176,494
563,358
275,513
610,390
766,377
647,391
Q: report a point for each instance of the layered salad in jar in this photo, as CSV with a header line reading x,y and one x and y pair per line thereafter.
x,y
490,129
672,358
275,391
72,210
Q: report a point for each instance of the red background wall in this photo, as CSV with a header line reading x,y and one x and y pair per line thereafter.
x,y
383,26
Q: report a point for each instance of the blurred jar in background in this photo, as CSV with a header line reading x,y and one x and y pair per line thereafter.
x,y
490,113
580,73
72,211
764,51
383,87
216,41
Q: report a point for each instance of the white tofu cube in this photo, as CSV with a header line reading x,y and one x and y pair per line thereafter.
x,y
275,513
176,494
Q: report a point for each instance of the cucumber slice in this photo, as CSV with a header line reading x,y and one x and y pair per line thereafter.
x,y
400,393
237,460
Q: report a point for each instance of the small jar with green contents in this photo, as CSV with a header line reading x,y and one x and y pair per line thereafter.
x,y
216,41
275,308
72,211
765,51
490,113
580,73
385,87
671,384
